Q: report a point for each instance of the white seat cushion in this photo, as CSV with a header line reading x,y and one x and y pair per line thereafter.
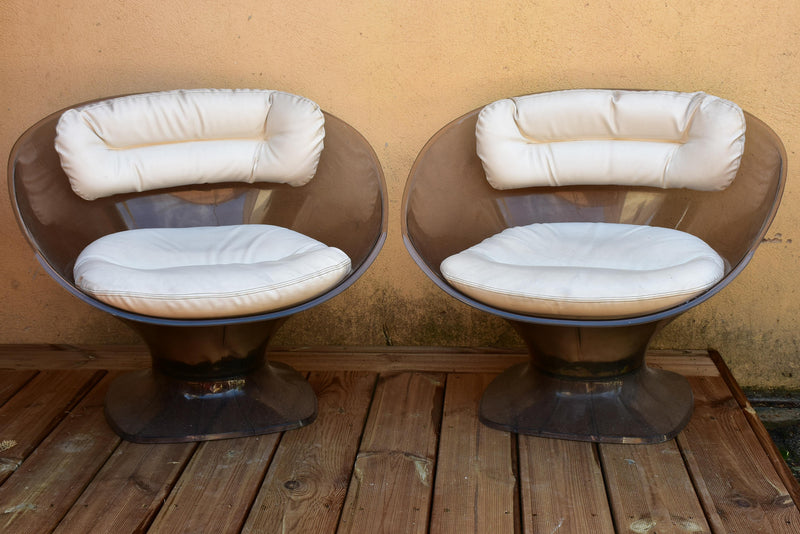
x,y
208,272
585,270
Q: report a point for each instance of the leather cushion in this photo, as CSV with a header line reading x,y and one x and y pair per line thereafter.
x,y
173,138
585,270
593,136
208,272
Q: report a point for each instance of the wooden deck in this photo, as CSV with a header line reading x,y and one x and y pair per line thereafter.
x,y
396,448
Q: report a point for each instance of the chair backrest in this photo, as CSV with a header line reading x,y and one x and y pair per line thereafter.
x,y
448,205
596,136
344,206
156,140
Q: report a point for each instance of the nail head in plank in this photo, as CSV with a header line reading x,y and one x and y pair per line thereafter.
x,y
305,487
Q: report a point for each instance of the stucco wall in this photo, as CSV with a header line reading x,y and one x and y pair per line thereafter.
x,y
398,71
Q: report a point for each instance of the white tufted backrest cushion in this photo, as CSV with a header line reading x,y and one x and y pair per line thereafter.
x,y
167,139
594,136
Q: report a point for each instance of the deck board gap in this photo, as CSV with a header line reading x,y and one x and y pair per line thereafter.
x,y
7,395
606,484
148,521
780,466
533,475
699,489
518,505
354,459
437,450
97,466
55,418
86,484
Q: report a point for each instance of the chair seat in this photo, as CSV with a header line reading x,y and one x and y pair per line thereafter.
x,y
208,272
585,270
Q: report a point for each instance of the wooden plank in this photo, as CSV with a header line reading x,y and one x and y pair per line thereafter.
x,y
686,363
41,491
391,486
129,490
476,488
367,359
562,487
12,381
400,359
738,487
217,486
305,487
786,475
29,416
110,357
650,490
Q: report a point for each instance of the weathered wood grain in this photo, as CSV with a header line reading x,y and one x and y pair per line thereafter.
x,y
305,487
44,488
476,487
12,381
367,359
650,489
393,450
739,488
129,490
392,482
774,455
215,490
29,416
562,487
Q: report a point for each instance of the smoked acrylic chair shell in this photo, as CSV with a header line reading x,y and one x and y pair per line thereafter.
x,y
586,378
210,377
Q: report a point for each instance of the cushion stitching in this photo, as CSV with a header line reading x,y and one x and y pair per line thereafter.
x,y
251,291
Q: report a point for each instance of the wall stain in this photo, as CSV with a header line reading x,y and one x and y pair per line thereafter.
x,y
777,238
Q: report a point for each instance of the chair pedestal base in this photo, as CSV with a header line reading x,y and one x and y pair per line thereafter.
x,y
588,384
644,406
208,382
150,407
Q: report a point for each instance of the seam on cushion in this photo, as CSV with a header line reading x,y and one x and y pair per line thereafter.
x,y
487,258
257,152
312,247
551,173
667,166
515,118
165,94
251,291
615,96
260,230
684,138
90,123
694,112
649,296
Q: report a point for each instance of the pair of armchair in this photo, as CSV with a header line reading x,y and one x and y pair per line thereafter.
x,y
588,219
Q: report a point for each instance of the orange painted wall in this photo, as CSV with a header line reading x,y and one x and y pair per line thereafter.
x,y
398,71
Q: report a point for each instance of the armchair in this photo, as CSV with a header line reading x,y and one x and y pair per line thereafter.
x,y
590,219
203,219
